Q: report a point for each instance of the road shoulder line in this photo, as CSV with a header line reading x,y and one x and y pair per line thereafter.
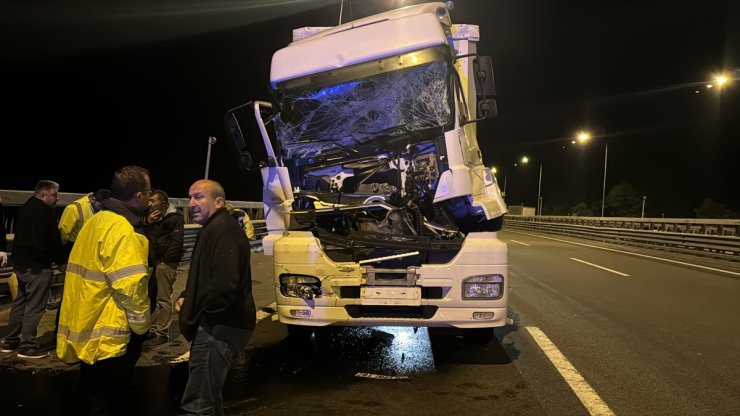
x,y
585,393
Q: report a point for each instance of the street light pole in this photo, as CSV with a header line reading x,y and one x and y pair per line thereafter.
x,y
603,189
539,188
211,141
644,198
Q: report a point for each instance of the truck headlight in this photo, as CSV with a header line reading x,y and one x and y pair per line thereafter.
x,y
485,286
300,286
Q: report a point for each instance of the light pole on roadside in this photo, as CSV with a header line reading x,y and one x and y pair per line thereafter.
x,y
603,189
583,138
539,199
211,141
644,198
494,171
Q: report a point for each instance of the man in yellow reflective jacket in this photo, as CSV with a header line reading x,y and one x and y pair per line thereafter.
x,y
105,308
75,214
244,221
71,222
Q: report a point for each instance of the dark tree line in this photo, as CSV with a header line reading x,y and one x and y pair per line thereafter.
x,y
623,200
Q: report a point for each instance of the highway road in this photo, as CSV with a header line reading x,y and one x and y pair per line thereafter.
x,y
648,336
596,332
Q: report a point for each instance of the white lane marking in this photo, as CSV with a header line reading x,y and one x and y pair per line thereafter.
x,y
585,393
261,314
519,242
631,253
600,267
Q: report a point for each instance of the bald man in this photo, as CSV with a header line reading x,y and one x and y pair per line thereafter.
x,y
217,311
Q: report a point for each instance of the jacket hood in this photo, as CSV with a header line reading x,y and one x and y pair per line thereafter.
x,y
126,211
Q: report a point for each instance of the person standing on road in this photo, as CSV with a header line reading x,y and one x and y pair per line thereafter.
x,y
243,218
75,214
105,306
165,227
71,222
36,245
3,237
217,310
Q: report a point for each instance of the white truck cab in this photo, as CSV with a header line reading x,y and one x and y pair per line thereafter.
x,y
378,208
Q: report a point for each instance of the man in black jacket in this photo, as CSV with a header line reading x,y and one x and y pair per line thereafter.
x,y
3,237
165,228
217,311
36,245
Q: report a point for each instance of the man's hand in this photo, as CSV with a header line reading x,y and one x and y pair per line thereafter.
x,y
178,304
3,258
153,216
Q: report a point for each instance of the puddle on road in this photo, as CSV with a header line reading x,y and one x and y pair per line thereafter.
x,y
329,357
333,353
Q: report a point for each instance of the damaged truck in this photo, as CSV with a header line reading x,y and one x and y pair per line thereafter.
x,y
378,207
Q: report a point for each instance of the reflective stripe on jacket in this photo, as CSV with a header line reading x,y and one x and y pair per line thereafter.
x,y
70,223
105,291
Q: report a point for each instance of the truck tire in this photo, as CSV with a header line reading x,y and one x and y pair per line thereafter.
x,y
480,335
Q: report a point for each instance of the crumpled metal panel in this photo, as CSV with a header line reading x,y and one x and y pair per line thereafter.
x,y
352,113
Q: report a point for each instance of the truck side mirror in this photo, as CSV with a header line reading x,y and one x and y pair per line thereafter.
x,y
485,87
235,132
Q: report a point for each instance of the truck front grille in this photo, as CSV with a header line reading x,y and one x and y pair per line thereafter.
x,y
403,312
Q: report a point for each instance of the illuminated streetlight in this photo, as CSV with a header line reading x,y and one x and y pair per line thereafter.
x,y
538,207
721,80
583,138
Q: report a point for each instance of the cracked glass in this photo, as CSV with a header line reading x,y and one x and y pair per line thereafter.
x,y
353,113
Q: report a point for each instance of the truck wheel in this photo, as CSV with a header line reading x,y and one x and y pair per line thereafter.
x,y
482,335
300,332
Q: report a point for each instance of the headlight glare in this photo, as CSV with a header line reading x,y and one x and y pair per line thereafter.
x,y
487,286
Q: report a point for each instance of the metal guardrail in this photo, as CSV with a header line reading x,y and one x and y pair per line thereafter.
x,y
192,230
710,246
678,225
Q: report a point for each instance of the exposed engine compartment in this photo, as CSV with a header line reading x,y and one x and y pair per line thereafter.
x,y
382,206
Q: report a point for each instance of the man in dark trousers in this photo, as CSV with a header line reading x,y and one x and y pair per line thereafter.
x,y
165,227
105,308
36,245
217,311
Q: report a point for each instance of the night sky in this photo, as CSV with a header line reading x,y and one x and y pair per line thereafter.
x,y
147,82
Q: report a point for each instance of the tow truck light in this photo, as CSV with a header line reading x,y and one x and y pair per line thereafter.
x,y
487,286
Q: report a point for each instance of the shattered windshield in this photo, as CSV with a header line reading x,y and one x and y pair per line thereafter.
x,y
351,113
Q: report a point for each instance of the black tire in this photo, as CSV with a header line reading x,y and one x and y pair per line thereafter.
x,y
479,335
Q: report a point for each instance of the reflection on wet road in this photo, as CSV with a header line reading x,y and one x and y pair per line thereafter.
x,y
279,374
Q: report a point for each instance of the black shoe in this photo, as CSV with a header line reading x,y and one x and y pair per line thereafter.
x,y
32,353
156,340
6,346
